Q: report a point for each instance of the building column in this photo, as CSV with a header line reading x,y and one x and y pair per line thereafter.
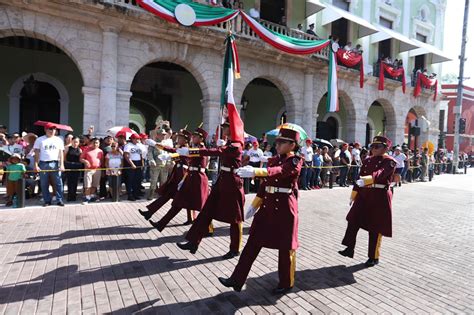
x,y
91,107
108,78
308,105
210,115
356,126
122,114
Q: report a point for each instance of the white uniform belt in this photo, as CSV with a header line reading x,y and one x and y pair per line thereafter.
x,y
181,165
228,169
376,186
198,169
272,190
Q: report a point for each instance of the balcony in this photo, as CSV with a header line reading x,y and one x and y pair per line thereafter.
x,y
239,28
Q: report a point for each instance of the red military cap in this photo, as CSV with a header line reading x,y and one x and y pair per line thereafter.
x,y
382,140
201,132
288,135
185,133
135,136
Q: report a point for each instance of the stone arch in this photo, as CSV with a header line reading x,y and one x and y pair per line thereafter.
x,y
337,117
392,123
14,95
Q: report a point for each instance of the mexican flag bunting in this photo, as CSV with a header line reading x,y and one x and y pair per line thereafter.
x,y
231,70
332,100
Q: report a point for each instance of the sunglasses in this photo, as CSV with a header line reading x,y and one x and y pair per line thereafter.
x,y
377,146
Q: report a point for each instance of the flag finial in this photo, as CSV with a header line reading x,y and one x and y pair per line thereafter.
x,y
200,125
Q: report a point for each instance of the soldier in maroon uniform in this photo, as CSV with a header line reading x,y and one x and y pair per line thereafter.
x,y
276,222
371,201
226,201
193,188
170,187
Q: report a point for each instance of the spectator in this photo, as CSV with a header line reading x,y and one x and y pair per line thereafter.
x,y
68,140
255,159
121,141
14,146
158,164
356,162
113,161
317,163
357,49
345,159
3,129
92,159
335,44
49,157
327,163
306,171
72,157
310,30
300,27
17,169
105,146
133,161
424,161
267,153
254,12
145,174
400,158
348,46
3,140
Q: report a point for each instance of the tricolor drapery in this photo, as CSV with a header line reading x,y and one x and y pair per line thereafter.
x,y
351,59
395,73
427,83
209,15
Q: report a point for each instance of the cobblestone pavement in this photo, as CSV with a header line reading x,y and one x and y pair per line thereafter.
x,y
105,258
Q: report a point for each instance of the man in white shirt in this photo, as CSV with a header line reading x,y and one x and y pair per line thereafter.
x,y
400,157
345,160
356,161
306,172
255,159
133,162
49,156
254,12
348,46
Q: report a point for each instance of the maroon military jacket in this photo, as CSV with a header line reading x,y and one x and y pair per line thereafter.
x,y
227,198
275,224
170,187
195,188
372,207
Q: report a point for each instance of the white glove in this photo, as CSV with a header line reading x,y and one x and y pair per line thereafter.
x,y
250,212
152,163
150,142
360,183
246,171
164,157
220,142
180,184
264,159
182,151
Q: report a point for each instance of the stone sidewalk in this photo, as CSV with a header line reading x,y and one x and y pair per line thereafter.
x,y
105,258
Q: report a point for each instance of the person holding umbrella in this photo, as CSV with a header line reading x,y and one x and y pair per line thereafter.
x,y
227,199
276,220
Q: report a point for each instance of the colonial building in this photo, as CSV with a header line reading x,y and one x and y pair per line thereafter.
x,y
110,62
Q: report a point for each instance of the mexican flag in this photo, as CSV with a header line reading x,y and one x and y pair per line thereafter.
x,y
332,101
231,70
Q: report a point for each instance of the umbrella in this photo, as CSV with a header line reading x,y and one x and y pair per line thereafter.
x,y
58,126
249,137
120,131
303,134
273,132
337,142
322,142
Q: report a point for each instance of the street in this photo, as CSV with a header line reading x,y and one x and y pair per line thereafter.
x,y
105,257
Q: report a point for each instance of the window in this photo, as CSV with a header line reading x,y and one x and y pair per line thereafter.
x,y
420,62
273,10
385,48
342,4
340,29
386,23
421,38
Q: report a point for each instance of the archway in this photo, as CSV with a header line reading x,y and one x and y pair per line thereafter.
x,y
416,127
168,91
30,66
381,117
334,125
263,106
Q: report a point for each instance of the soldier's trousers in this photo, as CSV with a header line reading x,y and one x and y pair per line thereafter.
x,y
286,264
158,203
375,239
202,225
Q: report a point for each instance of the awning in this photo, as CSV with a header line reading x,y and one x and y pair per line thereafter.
x,y
436,54
384,33
313,7
331,14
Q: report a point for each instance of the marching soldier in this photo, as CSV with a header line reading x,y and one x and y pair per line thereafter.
x,y
193,188
276,223
371,201
227,199
169,189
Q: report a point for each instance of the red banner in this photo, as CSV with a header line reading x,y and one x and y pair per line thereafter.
x,y
351,59
395,73
427,83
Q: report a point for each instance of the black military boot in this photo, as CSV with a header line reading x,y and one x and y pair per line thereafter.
x,y
146,214
188,246
230,255
157,225
280,291
371,262
348,252
228,282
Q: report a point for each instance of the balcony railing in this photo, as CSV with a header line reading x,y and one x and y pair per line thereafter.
x,y
237,25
